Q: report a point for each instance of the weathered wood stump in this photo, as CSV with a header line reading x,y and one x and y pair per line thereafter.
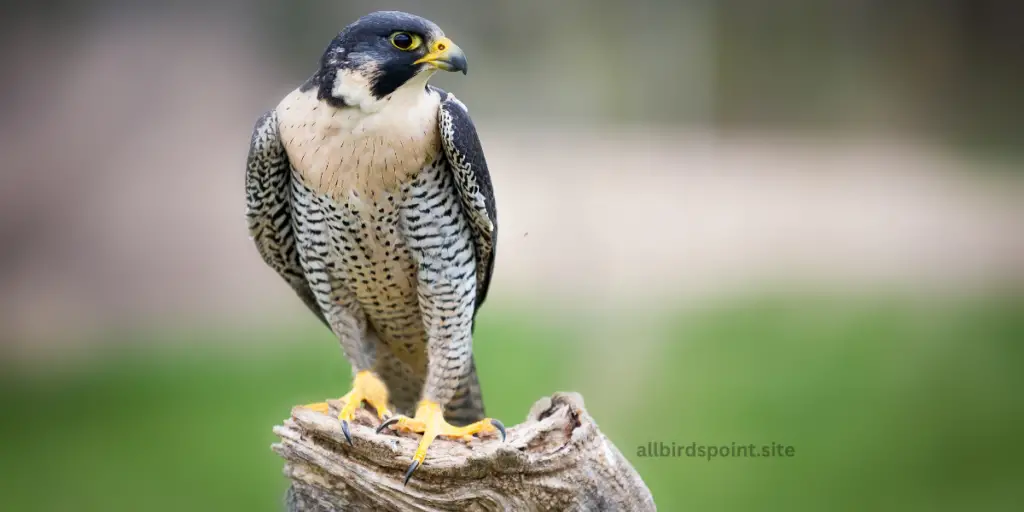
x,y
557,459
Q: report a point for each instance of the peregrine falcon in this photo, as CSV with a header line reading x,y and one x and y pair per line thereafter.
x,y
368,192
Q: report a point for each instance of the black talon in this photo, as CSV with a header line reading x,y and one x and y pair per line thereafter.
x,y
408,473
501,428
387,423
344,430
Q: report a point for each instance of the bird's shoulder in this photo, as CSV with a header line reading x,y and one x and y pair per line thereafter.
x,y
448,100
441,93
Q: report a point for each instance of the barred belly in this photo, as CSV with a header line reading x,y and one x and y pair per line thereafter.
x,y
403,261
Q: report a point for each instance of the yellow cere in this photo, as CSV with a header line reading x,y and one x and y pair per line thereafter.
x,y
438,51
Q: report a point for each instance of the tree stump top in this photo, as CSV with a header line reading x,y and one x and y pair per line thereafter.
x,y
556,460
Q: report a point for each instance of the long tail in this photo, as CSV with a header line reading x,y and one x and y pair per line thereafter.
x,y
468,404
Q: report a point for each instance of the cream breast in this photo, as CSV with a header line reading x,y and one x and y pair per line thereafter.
x,y
365,149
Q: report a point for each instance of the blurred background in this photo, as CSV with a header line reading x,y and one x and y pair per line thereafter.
x,y
791,221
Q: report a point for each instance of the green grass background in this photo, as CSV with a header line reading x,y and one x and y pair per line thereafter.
x,y
890,405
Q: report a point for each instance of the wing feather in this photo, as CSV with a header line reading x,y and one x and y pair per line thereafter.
x,y
269,209
473,181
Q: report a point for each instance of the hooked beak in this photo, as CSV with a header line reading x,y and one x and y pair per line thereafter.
x,y
445,55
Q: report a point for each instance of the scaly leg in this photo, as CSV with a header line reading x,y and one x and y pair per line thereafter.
x,y
366,387
429,421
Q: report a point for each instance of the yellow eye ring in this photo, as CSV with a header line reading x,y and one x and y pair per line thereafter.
x,y
405,41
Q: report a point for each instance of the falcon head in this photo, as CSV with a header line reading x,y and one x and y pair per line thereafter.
x,y
382,53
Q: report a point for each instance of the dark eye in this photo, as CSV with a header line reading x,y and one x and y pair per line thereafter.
x,y
405,41
402,41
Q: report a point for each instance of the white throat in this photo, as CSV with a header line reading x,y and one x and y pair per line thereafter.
x,y
370,148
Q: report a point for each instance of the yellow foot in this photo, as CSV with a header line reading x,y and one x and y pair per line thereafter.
x,y
365,388
320,407
430,422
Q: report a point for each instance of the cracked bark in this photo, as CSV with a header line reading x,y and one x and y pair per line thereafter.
x,y
557,459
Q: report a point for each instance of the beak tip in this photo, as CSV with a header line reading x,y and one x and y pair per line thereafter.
x,y
459,63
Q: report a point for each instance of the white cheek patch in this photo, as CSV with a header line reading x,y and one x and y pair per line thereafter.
x,y
353,87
